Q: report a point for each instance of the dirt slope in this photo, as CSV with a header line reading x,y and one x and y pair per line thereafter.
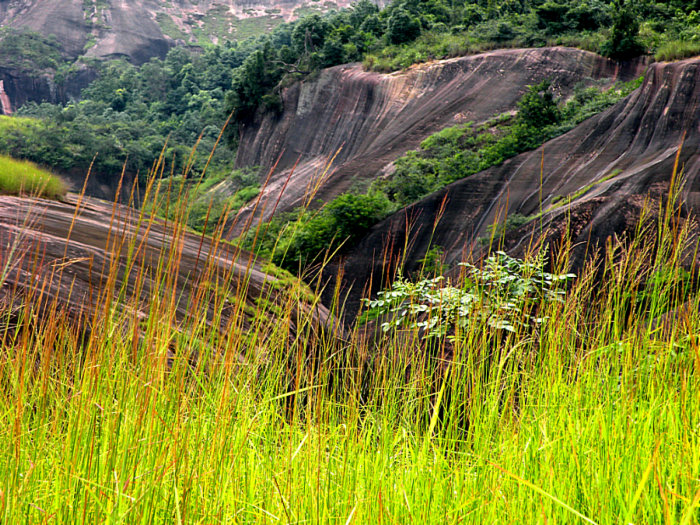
x,y
371,118
607,167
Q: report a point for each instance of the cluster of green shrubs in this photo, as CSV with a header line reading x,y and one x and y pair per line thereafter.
x,y
299,239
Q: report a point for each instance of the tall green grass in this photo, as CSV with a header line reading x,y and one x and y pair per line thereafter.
x,y
19,177
592,418
677,50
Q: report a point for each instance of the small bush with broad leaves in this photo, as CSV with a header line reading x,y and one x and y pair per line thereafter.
x,y
504,293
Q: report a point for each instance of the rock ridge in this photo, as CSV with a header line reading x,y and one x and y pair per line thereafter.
x,y
365,120
596,179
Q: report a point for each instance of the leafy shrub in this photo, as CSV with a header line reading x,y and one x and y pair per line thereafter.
x,y
343,220
624,40
537,107
506,293
402,27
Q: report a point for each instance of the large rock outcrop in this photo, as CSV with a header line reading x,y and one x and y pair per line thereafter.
x,y
369,119
21,87
141,29
72,258
595,181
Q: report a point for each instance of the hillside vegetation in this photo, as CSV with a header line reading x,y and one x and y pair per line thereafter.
x,y
131,112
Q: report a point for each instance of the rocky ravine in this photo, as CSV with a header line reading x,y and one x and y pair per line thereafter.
x,y
370,119
608,167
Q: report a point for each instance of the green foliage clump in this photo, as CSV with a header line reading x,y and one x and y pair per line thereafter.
x,y
301,238
623,42
316,236
28,51
500,294
26,178
537,108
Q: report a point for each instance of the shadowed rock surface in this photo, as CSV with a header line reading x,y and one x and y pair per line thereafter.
x,y
22,87
596,179
39,265
371,119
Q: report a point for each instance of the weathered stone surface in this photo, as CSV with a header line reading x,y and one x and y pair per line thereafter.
x,y
21,87
49,252
609,166
370,119
141,29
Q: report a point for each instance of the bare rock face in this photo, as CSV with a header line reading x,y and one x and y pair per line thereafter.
x,y
595,181
61,18
62,258
366,120
20,87
141,29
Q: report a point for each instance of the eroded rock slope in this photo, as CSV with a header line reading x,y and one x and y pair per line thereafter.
x,y
369,119
595,181
81,258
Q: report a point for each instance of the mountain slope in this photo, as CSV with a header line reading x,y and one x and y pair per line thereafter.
x,y
141,29
370,119
596,179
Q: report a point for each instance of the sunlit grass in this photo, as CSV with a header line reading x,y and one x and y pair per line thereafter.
x,y
19,177
677,50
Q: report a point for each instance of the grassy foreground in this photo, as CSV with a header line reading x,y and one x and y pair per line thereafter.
x,y
592,418
18,177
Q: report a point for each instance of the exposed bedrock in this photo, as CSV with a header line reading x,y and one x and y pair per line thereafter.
x,y
21,87
62,254
121,28
604,169
369,119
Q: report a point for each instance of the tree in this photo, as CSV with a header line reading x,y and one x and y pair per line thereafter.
x,y
402,27
538,108
623,43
